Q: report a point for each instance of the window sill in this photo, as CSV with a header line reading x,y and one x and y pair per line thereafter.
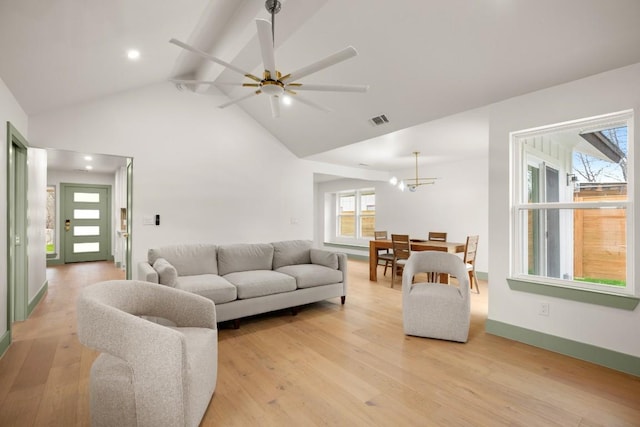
x,y
345,245
623,302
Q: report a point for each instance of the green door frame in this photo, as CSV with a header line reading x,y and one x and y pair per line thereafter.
x,y
128,265
17,257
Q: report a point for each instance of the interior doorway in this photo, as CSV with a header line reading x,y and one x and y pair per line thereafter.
x,y
86,175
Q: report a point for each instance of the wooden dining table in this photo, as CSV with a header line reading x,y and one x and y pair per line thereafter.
x,y
416,245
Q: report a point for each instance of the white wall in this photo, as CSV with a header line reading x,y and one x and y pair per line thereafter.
x,y
55,177
10,111
213,175
456,204
605,327
36,220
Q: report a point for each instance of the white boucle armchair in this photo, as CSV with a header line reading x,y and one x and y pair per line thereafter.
x,y
436,310
148,374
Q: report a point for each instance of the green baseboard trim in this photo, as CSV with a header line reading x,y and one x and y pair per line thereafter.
x,y
581,295
482,275
54,261
5,342
590,353
34,302
358,257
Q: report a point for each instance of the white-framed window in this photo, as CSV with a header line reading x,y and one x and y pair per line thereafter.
x,y
572,204
355,214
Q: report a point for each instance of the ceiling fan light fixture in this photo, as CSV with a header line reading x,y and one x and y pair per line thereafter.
x,y
133,54
272,87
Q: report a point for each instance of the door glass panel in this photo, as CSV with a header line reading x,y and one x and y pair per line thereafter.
x,y
86,197
79,248
86,214
86,230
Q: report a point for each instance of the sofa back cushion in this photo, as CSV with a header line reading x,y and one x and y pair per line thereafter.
x,y
326,258
188,259
244,257
291,252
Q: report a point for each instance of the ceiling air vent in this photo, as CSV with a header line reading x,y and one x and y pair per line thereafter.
x,y
379,120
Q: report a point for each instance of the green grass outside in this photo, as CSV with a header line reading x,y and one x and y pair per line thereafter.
x,y
50,248
610,282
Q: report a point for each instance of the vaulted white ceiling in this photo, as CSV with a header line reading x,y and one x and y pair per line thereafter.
x,y
424,60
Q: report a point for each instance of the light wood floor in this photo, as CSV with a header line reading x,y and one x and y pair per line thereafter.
x,y
336,365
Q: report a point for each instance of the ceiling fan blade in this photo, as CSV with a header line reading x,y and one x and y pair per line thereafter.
x,y
266,47
213,59
237,84
188,82
298,98
275,106
242,98
330,60
328,88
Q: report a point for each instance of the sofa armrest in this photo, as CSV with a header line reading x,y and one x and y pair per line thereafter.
x,y
146,273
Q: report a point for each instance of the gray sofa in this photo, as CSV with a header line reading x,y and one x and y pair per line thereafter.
x,y
247,279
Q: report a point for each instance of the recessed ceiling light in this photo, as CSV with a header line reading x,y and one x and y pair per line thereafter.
x,y
88,158
88,167
133,54
286,100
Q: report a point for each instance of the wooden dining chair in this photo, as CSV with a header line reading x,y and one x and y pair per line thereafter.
x,y
437,236
383,254
401,252
470,249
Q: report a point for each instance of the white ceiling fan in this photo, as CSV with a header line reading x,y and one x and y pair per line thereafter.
x,y
273,83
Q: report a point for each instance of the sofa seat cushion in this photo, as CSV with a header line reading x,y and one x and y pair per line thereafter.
x,y
310,275
210,286
258,283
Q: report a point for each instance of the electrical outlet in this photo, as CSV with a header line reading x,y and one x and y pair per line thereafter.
x,y
544,309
